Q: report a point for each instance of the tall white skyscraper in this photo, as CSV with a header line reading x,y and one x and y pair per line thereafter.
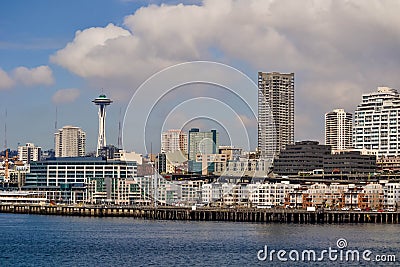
x,y
276,97
174,140
29,152
377,122
70,141
338,129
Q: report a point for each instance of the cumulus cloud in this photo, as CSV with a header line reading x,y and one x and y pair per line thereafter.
x,y
5,80
67,95
41,75
338,49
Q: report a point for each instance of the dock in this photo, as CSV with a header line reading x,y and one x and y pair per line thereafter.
x,y
210,214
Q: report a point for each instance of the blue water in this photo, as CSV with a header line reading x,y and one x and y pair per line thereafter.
x,y
35,240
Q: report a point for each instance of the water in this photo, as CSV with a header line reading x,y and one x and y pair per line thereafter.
x,y
35,240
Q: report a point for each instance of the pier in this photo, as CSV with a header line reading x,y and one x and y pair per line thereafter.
x,y
209,214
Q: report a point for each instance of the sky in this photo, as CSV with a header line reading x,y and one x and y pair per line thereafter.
x,y
57,56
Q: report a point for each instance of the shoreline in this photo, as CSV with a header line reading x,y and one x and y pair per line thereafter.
x,y
209,214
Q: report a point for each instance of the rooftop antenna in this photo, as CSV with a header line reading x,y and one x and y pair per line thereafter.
x,y
55,123
5,132
119,141
6,148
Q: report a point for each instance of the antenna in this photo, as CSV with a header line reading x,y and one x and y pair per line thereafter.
x,y
55,122
5,132
119,141
5,146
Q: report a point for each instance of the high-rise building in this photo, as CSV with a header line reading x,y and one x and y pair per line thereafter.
x,y
102,101
276,97
201,143
29,152
338,129
70,141
174,140
377,123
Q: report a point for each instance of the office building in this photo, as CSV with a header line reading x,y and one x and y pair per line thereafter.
x,y
304,156
377,123
276,98
70,141
201,143
29,153
83,179
174,140
338,129
309,158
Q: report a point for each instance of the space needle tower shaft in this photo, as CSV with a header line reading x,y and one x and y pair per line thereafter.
x,y
102,101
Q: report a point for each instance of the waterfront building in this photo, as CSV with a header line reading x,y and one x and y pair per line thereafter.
x,y
174,140
243,167
388,164
190,191
376,123
351,196
80,179
269,194
338,129
350,162
102,101
155,190
210,159
309,157
371,197
297,197
201,143
214,192
391,198
70,141
301,157
276,98
29,152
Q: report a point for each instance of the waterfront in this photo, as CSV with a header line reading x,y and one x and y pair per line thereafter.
x,y
37,240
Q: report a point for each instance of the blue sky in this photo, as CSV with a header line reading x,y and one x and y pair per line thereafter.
x,y
63,54
30,31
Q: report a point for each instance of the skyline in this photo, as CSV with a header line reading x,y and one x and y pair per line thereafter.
x,y
50,60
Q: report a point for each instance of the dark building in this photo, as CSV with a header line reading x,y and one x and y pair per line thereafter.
x,y
303,156
349,162
162,163
108,152
307,156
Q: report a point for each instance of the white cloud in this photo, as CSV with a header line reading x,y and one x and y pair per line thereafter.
x,y
65,96
5,80
338,49
41,75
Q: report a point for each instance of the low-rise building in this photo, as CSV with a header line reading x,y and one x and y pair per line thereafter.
x,y
72,179
391,195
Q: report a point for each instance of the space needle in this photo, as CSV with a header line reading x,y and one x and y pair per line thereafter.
x,y
102,101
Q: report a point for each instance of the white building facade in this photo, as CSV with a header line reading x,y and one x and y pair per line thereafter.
x,y
339,129
70,141
276,98
174,140
377,122
29,153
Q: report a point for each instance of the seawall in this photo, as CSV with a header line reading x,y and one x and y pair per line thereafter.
x,y
209,214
